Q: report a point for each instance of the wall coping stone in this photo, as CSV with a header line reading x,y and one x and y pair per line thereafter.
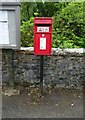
x,y
55,51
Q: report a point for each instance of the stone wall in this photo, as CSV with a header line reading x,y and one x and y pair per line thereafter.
x,y
64,67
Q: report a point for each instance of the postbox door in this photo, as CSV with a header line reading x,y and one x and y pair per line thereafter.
x,y
43,44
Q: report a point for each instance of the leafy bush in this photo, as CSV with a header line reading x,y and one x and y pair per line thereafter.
x,y
27,33
68,27
68,24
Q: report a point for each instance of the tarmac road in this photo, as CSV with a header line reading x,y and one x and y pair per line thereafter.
x,y
57,103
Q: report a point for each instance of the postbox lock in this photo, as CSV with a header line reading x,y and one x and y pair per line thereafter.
x,y
43,35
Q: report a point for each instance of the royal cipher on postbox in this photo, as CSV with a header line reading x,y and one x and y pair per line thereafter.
x,y
42,35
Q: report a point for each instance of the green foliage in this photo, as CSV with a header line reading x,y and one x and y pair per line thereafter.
x,y
68,27
47,9
68,23
27,33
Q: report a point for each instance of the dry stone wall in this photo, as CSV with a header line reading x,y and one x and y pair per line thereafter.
x,y
65,67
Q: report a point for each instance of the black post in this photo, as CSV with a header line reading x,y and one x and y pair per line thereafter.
x,y
11,67
41,73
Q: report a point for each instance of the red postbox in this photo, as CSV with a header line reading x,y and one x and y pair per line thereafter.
x,y
42,35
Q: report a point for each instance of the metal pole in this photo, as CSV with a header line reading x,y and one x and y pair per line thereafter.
x,y
41,73
11,67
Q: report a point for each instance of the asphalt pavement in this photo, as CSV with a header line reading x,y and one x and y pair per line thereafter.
x,y
55,103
